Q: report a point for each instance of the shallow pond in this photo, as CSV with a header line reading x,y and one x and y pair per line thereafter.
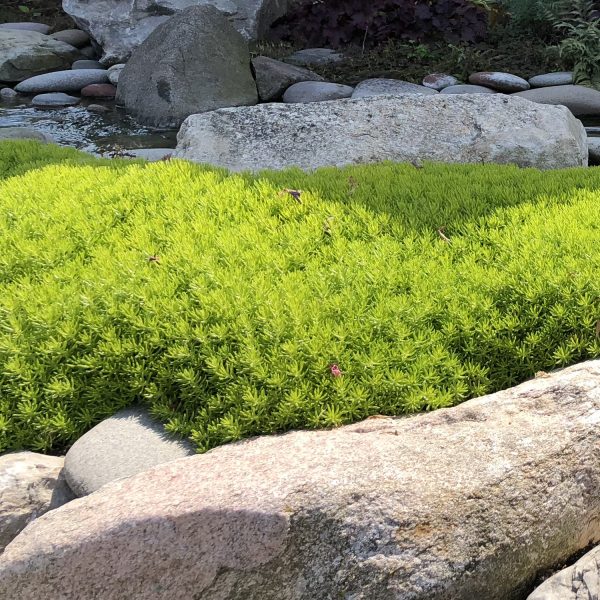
x,y
98,133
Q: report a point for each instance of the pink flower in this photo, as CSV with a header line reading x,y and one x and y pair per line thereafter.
x,y
335,370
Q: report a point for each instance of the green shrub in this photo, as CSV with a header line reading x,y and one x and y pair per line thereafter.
x,y
223,301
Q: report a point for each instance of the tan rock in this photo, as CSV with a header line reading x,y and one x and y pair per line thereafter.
x,y
30,485
465,503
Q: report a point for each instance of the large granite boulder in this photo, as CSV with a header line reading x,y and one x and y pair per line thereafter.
x,y
580,581
30,485
471,128
580,100
125,444
177,71
25,53
464,503
119,27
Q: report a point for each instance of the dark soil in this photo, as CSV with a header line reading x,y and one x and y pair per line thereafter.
x,y
39,11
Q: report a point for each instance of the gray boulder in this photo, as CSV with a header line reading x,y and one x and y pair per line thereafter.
x,y
30,485
316,91
176,71
123,445
464,88
439,81
502,82
37,27
549,79
24,133
581,101
120,27
466,503
311,57
25,53
53,99
470,128
75,37
273,77
62,81
385,87
580,581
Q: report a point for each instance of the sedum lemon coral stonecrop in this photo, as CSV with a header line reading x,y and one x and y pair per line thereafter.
x,y
235,305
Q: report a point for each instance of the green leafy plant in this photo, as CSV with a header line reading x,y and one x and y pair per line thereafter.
x,y
578,23
236,305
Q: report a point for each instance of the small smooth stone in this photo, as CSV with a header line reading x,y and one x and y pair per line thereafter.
x,y
594,150
548,79
389,87
62,81
114,72
24,133
313,56
316,91
55,99
99,90
39,27
86,64
502,82
8,94
75,37
439,81
98,108
464,88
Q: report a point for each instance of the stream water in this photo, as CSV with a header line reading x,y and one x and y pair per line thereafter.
x,y
98,133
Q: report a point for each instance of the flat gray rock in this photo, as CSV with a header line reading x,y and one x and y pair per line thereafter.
x,y
87,64
465,88
310,57
549,79
55,99
24,133
580,100
75,37
316,91
24,54
580,581
37,27
464,503
273,77
439,81
386,87
594,150
502,82
176,72
125,444
62,81
468,128
30,485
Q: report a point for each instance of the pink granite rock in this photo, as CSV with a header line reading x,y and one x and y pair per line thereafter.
x,y
99,90
464,503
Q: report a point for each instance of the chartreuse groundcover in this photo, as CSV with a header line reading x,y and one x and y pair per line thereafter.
x,y
233,305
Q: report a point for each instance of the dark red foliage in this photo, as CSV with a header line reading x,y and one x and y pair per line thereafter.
x,y
335,23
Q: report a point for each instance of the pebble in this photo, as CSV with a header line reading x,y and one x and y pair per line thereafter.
x,y
439,81
62,81
549,79
54,99
502,82
316,91
99,90
86,64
